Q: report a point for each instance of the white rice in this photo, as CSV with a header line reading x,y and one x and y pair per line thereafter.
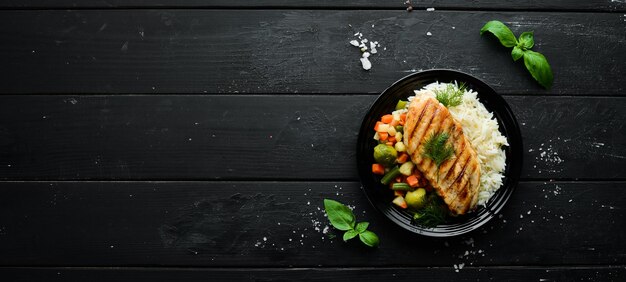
x,y
481,128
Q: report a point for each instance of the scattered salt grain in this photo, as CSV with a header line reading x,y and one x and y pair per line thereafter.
x,y
354,43
367,65
430,9
428,33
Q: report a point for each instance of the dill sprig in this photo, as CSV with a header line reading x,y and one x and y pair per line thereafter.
x,y
436,149
452,95
432,214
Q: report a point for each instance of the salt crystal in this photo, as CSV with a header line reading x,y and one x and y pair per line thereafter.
x,y
428,33
366,55
430,9
373,47
366,63
354,43
264,238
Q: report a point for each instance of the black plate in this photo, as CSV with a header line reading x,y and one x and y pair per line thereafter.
x,y
381,197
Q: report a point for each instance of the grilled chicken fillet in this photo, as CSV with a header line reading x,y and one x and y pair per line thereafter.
x,y
459,176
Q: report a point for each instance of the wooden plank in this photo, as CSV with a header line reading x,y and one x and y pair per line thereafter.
x,y
599,273
176,137
590,5
295,51
264,224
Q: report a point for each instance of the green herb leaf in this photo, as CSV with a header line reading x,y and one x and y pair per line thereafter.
x,y
432,214
517,53
526,40
369,238
501,31
539,68
451,96
437,150
361,226
340,216
349,235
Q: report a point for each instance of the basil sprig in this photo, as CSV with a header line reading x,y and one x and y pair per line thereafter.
x,y
535,62
342,218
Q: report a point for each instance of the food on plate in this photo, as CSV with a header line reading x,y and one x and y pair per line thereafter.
x,y
440,153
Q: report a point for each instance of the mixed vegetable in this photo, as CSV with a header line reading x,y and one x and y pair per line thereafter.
x,y
392,162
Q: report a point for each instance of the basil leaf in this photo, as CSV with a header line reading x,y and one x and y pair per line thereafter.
x,y
526,40
539,68
349,235
340,216
501,31
517,53
369,238
362,226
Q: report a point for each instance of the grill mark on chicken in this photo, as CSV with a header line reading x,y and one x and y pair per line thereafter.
x,y
453,193
439,119
447,166
420,129
410,125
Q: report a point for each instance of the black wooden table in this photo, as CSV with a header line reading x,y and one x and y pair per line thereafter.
x,y
195,140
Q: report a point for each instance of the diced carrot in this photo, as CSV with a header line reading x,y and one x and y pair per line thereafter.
x,y
402,119
403,158
400,202
378,169
383,135
394,122
412,181
386,118
392,139
398,193
378,123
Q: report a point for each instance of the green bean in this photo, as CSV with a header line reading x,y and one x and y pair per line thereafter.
x,y
393,173
401,187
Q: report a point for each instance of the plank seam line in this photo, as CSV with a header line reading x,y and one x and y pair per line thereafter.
x,y
269,181
286,94
330,268
416,8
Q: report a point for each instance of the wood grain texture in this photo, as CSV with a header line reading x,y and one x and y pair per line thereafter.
x,y
295,51
590,5
181,137
263,224
468,273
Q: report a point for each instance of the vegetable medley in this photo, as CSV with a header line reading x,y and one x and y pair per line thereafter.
x,y
411,189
